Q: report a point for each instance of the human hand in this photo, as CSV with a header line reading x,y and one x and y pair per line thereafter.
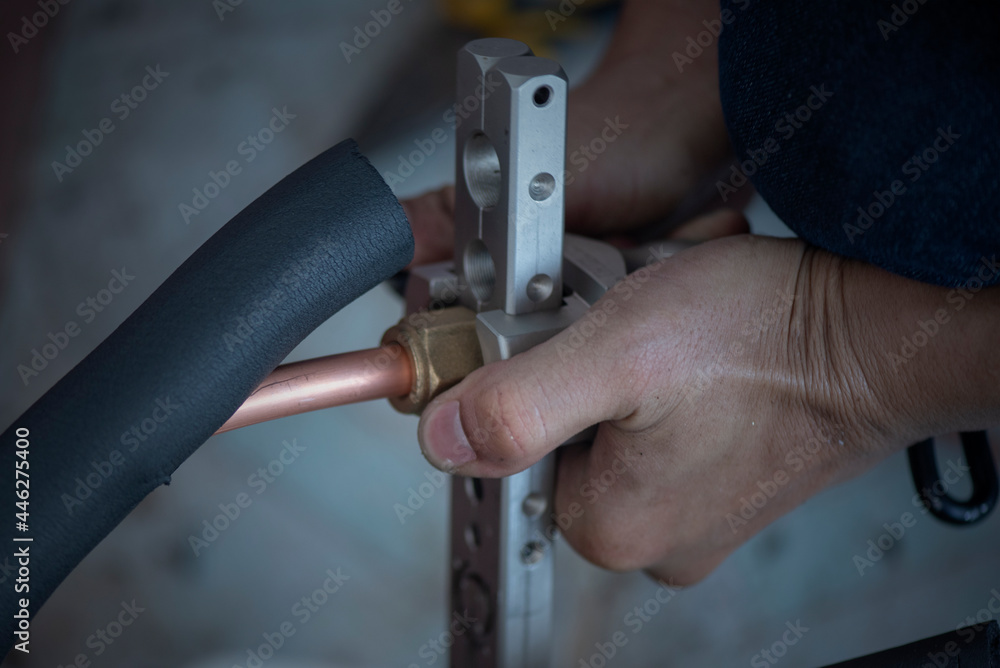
x,y
659,131
743,368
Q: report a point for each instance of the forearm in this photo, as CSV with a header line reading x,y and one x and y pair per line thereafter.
x,y
931,354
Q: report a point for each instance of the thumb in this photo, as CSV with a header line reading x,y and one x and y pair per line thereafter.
x,y
506,416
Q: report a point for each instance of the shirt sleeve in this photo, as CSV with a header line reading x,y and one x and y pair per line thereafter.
x,y
871,127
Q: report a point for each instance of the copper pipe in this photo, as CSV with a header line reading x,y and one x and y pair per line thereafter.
x,y
300,387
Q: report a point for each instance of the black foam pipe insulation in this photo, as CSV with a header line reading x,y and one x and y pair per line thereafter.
x,y
184,361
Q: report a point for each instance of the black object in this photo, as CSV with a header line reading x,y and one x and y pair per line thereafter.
x,y
934,493
968,647
837,110
186,359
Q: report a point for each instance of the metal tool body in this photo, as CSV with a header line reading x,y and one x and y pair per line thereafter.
x,y
526,282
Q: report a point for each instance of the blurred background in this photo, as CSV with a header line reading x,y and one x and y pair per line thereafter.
x,y
226,67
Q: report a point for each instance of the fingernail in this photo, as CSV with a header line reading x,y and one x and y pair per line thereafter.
x,y
442,440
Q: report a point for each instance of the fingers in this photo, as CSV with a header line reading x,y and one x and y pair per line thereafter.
x,y
620,506
507,415
595,508
432,219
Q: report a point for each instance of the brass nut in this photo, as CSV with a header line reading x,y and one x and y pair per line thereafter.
x,y
444,348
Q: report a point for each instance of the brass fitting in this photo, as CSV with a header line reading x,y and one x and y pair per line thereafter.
x,y
444,348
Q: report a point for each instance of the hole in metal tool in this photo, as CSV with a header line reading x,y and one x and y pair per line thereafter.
x,y
542,187
479,270
482,171
475,599
542,96
532,552
533,505
474,489
472,536
539,287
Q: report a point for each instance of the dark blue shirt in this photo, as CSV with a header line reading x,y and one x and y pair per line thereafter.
x,y
871,127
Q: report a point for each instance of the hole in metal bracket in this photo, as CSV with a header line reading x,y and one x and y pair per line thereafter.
x,y
472,536
542,186
542,96
474,489
539,287
479,270
532,552
482,171
533,505
473,597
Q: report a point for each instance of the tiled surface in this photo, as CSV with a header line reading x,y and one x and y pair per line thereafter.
x,y
333,507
